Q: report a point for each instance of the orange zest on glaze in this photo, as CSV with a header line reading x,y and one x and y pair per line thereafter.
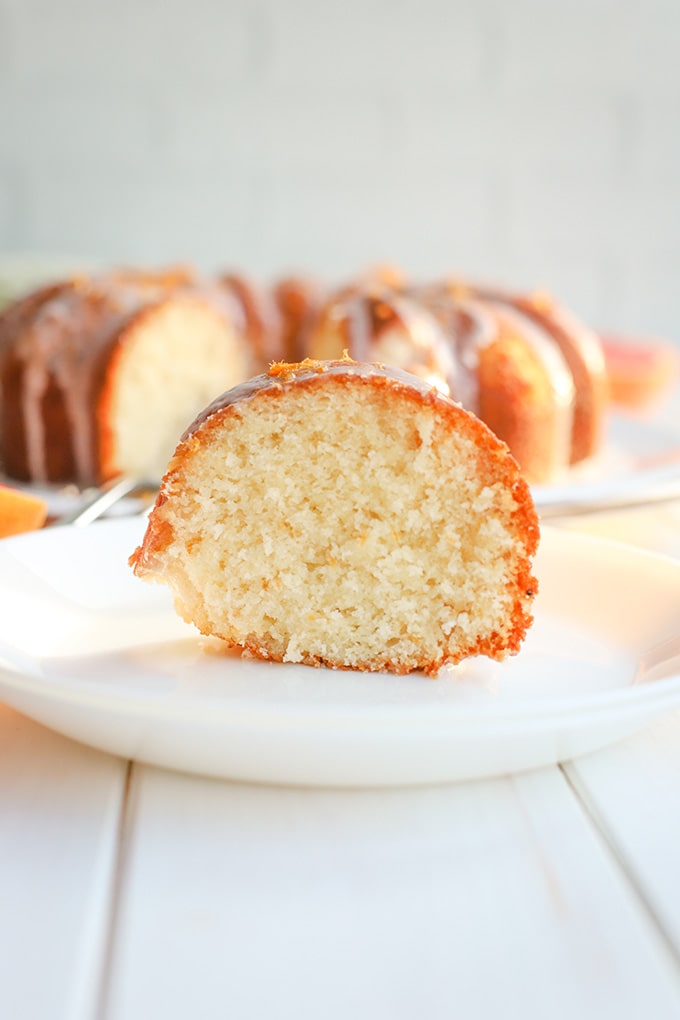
x,y
285,370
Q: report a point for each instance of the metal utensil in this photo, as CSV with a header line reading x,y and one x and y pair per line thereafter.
x,y
103,499
643,488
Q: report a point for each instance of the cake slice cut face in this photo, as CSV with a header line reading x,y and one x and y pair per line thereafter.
x,y
347,515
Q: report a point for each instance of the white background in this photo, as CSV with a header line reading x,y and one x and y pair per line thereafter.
x,y
533,143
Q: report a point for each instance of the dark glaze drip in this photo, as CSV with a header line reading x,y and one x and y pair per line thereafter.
x,y
13,421
298,299
374,324
578,343
258,313
49,346
468,328
57,351
361,327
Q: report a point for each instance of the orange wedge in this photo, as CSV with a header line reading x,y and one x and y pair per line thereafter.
x,y
640,371
20,512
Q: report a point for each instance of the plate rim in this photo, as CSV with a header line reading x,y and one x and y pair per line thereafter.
x,y
631,696
632,704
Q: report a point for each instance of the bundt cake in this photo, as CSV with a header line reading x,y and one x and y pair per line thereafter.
x,y
348,515
99,375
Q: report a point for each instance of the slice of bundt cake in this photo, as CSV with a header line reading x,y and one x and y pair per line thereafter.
x,y
348,515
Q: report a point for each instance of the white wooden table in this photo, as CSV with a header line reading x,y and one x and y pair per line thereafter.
x,y
130,893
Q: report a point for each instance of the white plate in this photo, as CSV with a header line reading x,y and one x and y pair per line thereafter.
x,y
96,654
638,464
